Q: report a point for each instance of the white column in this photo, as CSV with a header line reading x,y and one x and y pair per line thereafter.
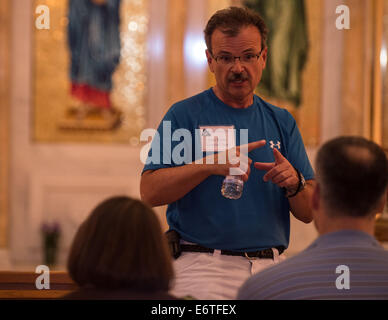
x,y
157,62
331,73
194,47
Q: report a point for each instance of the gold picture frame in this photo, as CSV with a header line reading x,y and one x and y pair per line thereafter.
x,y
55,119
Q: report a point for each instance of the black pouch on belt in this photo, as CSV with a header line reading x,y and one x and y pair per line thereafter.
x,y
173,239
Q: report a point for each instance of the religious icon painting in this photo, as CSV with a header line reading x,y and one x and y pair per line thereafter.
x,y
90,72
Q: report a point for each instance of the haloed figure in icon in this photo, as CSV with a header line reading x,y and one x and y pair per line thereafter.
x,y
94,43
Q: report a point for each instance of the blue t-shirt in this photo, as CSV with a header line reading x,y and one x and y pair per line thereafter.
x,y
260,218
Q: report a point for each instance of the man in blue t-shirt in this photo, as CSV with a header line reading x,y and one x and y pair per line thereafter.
x,y
224,131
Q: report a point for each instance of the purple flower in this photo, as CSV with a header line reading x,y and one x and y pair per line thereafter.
x,y
52,228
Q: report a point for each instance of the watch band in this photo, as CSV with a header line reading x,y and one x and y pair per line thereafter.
x,y
301,185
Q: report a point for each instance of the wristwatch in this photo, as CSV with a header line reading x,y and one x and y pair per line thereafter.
x,y
301,185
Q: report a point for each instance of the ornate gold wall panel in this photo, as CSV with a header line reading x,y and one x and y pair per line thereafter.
x,y
51,84
5,31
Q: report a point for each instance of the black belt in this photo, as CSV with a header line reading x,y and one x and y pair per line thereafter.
x,y
262,254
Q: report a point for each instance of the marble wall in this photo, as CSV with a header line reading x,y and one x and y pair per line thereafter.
x,y
61,181
4,118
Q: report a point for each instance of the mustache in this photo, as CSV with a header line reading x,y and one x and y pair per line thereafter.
x,y
238,76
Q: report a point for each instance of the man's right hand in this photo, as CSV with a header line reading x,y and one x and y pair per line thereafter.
x,y
233,161
164,186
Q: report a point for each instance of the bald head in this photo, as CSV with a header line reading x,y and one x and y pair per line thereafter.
x,y
353,175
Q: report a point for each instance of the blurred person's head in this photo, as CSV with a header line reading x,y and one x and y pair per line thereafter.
x,y
352,179
121,245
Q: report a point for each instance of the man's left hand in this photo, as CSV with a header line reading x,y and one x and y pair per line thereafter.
x,y
280,172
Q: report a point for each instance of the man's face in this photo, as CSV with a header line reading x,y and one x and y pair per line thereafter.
x,y
237,80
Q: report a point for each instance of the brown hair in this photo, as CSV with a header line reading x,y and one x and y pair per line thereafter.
x,y
121,245
231,20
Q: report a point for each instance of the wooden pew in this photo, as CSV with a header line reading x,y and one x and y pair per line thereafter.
x,y
21,285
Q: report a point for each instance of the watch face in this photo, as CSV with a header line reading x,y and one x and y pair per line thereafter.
x,y
302,180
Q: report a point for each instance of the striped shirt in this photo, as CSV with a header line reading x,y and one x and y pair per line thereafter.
x,y
346,264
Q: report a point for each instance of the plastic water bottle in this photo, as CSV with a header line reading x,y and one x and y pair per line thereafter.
x,y
232,187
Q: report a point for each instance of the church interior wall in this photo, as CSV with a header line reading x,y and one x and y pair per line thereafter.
x,y
64,181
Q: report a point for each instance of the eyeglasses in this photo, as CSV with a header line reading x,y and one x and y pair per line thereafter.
x,y
228,59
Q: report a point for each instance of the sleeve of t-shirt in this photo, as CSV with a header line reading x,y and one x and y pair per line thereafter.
x,y
296,152
161,153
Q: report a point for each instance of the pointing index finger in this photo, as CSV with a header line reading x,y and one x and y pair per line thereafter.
x,y
278,156
252,145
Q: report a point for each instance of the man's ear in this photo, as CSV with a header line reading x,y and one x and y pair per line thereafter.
x,y
315,199
382,202
264,56
209,60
